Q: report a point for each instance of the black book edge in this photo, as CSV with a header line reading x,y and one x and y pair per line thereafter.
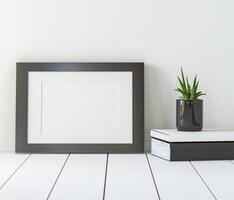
x,y
188,151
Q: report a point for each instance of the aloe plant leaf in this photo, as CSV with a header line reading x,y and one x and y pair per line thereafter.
x,y
181,84
194,82
188,88
180,90
196,86
188,92
192,94
197,94
184,94
182,75
200,94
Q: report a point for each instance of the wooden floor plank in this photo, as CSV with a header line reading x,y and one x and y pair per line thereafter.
x,y
178,180
9,163
129,177
34,179
219,176
82,178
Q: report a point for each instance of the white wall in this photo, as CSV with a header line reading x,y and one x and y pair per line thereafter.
x,y
165,34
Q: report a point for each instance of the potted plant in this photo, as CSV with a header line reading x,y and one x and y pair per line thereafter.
x,y
189,109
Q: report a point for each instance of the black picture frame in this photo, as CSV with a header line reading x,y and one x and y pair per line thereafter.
x,y
21,144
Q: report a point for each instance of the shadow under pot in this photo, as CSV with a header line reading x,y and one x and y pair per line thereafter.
x,y
189,115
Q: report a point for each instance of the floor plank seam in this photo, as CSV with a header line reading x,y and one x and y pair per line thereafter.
x,y
104,188
203,180
17,169
56,180
151,171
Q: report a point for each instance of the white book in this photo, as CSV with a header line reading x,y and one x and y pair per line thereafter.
x,y
161,149
174,145
172,135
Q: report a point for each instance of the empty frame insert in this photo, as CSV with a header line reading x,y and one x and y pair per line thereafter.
x,y
80,107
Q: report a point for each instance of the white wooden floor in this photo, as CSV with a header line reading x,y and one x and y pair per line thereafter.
x,y
112,177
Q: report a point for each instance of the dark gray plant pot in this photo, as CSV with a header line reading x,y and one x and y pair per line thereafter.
x,y
189,115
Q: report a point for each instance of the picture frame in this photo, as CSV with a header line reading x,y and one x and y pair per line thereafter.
x,y
26,125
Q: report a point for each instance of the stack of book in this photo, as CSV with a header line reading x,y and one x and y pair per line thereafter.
x,y
176,145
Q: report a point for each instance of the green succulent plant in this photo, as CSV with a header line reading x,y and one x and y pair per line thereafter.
x,y
188,92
